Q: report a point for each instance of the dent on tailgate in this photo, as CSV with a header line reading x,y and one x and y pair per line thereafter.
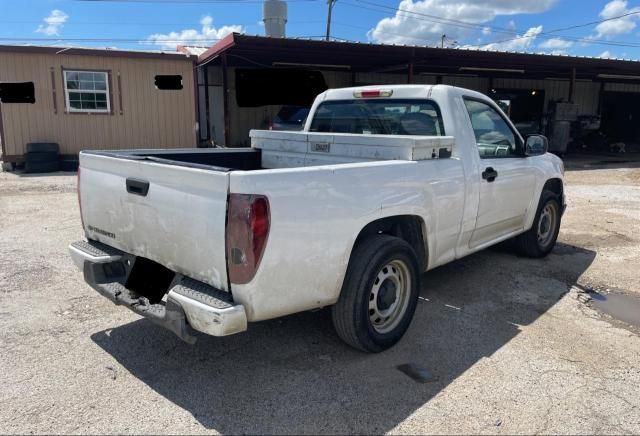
x,y
179,223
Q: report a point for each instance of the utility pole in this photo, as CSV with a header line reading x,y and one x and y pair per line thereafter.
x,y
442,40
330,3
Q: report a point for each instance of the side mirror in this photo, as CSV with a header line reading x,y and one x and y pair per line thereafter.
x,y
535,145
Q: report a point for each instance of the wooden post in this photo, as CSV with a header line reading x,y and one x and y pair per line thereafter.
x,y
572,84
225,100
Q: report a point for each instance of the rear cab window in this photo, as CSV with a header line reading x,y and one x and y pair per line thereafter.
x,y
379,117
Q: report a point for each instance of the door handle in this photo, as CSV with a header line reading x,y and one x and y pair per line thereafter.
x,y
489,174
137,187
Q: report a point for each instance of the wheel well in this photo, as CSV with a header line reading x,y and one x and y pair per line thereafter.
x,y
555,186
410,228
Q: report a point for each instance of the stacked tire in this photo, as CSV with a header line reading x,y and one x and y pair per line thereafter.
x,y
42,157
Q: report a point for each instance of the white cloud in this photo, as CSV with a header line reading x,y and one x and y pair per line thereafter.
x,y
53,23
556,44
412,28
618,26
608,55
207,35
517,43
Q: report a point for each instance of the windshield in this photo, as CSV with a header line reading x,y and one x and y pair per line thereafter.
x,y
380,117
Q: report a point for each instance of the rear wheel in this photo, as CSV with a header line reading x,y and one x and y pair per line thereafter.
x,y
541,238
379,294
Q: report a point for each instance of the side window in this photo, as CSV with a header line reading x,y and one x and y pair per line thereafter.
x,y
494,137
87,91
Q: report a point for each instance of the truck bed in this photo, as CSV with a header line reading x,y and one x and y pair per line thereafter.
x,y
218,159
276,149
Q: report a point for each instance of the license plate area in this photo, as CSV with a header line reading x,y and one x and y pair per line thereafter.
x,y
150,279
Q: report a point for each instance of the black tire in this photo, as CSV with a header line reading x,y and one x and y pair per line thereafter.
x,y
352,313
41,167
69,165
529,244
38,147
41,156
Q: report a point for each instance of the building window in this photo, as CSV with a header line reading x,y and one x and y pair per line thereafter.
x,y
86,91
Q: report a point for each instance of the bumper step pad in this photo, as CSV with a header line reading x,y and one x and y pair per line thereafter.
x,y
203,293
189,305
96,249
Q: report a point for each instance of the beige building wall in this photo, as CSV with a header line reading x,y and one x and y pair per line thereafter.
x,y
141,115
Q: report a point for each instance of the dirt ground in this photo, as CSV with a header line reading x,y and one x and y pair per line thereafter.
x,y
514,345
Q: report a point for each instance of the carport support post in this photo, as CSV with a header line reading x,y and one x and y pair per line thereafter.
x,y
600,97
206,106
410,66
572,84
225,100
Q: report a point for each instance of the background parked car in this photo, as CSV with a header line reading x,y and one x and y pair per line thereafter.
x,y
290,118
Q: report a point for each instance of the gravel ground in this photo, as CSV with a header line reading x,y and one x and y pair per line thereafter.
x,y
513,344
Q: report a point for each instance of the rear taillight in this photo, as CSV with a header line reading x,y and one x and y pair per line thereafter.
x,y
248,225
79,198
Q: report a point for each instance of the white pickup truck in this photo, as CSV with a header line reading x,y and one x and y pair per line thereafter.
x,y
382,184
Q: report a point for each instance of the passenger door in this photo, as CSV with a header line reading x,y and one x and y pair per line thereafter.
x,y
507,181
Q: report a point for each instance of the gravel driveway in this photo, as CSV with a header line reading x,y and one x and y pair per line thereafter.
x,y
513,345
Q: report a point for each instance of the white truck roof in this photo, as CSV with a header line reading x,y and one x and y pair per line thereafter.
x,y
412,91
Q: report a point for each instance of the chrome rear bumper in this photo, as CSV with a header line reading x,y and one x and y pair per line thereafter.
x,y
189,304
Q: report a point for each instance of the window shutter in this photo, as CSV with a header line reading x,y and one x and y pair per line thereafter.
x,y
111,102
53,91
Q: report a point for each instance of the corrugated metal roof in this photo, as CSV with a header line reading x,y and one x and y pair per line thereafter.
x,y
192,50
459,48
96,51
250,51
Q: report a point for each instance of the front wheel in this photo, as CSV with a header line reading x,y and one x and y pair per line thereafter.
x,y
379,294
541,238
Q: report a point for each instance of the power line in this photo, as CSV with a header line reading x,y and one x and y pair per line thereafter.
x,y
417,38
185,1
546,35
129,23
443,20
145,40
430,18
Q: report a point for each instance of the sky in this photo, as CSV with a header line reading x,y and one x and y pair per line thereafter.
x,y
600,28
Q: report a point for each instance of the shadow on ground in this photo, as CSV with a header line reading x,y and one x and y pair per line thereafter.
x,y
22,173
293,375
595,161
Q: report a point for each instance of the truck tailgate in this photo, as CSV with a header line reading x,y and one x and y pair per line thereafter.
x,y
178,222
